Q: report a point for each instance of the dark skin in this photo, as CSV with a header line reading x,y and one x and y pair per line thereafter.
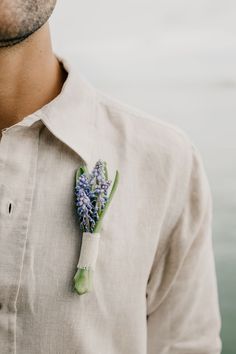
x,y
30,74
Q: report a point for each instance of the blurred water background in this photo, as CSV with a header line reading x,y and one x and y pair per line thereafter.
x,y
175,59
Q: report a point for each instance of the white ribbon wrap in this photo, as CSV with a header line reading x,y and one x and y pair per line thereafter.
x,y
89,250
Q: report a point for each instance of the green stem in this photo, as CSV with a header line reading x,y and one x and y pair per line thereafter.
x,y
106,172
83,280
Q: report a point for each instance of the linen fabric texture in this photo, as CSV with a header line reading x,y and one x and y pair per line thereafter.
x,y
155,286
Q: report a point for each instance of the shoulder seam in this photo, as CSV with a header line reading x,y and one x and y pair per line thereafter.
x,y
139,113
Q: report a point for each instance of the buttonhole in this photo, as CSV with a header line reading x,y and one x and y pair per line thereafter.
x,y
10,208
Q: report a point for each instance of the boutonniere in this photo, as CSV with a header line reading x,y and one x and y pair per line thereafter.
x,y
92,201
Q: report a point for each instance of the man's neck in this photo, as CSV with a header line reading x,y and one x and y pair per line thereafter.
x,y
30,77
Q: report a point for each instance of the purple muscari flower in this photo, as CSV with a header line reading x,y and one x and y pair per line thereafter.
x,y
91,196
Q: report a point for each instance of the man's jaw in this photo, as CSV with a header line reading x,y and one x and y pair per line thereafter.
x,y
12,41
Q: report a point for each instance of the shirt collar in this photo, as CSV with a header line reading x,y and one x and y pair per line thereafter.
x,y
71,115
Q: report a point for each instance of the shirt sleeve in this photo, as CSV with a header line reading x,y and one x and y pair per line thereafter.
x,y
183,315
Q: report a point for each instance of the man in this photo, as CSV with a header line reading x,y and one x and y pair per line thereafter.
x,y
155,289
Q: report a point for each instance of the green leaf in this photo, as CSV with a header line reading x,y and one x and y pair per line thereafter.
x,y
101,216
81,170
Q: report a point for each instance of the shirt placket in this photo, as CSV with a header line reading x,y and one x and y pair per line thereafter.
x,y
18,161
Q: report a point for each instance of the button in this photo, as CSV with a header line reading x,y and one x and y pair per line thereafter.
x,y
10,208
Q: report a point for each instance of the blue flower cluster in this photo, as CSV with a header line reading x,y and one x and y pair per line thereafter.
x,y
91,196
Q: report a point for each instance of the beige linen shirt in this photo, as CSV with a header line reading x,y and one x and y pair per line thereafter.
x,y
155,288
